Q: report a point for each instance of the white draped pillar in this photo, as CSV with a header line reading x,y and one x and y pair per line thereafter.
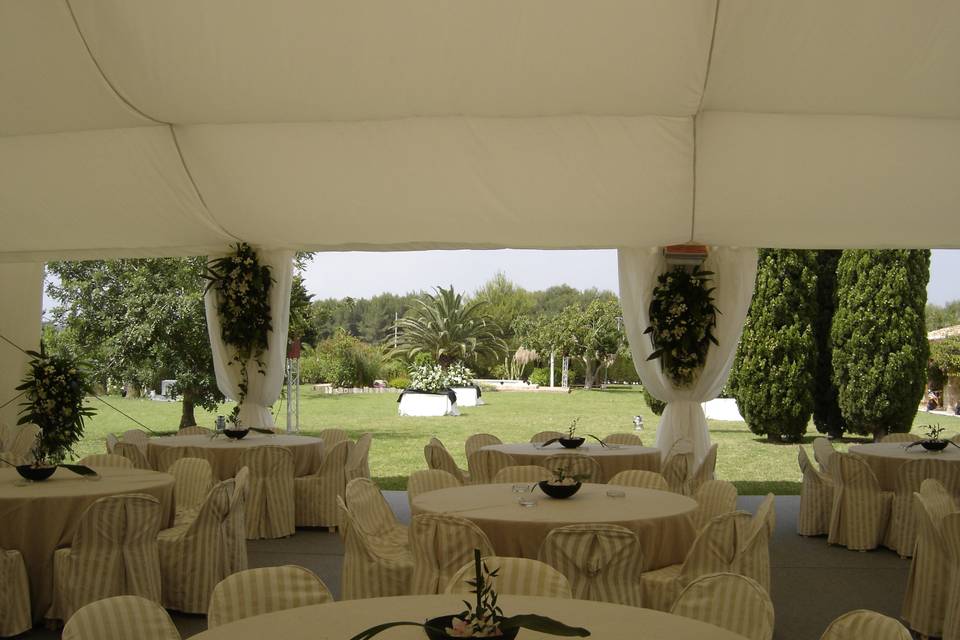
x,y
734,273
263,390
21,289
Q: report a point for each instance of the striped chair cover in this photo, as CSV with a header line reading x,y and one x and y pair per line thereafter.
x,y
372,568
714,498
816,498
137,437
372,513
730,601
522,473
194,431
11,459
902,531
438,457
121,618
5,434
602,562
269,509
441,545
316,494
925,600
714,551
515,577
899,437
705,471
478,441
753,544
429,480
630,439
111,442
193,480
950,526
333,437
358,458
485,464
823,453
235,531
24,439
865,625
543,436
861,511
166,456
14,594
193,555
575,464
255,592
676,471
956,438
114,553
640,479
133,453
106,460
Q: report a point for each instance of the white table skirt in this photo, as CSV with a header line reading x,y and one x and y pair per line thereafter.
x,y
467,397
427,404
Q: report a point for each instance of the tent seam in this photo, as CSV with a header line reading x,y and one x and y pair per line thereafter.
x,y
696,115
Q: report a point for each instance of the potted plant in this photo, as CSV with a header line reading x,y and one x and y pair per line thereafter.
x,y
562,486
481,619
933,441
572,441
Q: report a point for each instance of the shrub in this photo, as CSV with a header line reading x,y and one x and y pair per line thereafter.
x,y
540,376
398,383
342,360
656,405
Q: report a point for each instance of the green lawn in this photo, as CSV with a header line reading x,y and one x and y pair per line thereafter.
x,y
749,461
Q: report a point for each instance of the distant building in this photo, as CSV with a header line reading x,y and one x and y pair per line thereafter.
x,y
950,396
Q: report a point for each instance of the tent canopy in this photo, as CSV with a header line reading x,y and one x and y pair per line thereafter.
x,y
174,127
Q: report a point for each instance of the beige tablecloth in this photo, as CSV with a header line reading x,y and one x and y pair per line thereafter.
x,y
342,620
37,518
224,453
661,519
612,459
885,458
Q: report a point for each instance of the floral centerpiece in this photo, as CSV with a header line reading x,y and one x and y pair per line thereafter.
x,y
933,441
682,320
483,618
572,440
429,378
242,286
458,375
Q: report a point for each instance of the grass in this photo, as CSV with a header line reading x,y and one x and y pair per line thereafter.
x,y
754,465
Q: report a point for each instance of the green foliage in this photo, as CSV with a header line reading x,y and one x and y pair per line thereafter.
x,y
399,383
826,397
944,360
880,348
300,317
540,376
777,356
940,316
656,404
344,361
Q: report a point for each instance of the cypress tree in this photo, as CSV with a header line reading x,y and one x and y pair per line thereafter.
x,y
880,348
777,355
826,406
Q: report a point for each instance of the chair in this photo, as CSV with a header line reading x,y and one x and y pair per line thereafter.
x,y
114,553
925,600
6,433
269,508
478,441
372,514
955,438
729,601
861,510
629,439
543,436
255,592
753,544
193,555
640,479
862,624
24,440
426,480
137,437
441,545
315,496
902,532
899,437
602,562
372,568
235,531
106,460
714,550
485,464
816,498
121,618
714,498
522,473
357,464
195,431
15,593
133,453
333,437
438,457
166,456
950,525
515,577
676,471
575,464
11,459
111,441
705,471
823,453
193,480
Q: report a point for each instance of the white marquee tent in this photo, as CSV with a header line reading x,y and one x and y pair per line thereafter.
x,y
175,127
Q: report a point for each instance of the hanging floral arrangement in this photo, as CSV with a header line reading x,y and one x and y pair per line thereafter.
x,y
242,286
682,320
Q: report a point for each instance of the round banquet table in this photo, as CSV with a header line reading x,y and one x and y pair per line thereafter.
x,y
344,619
40,517
223,453
885,458
613,458
661,519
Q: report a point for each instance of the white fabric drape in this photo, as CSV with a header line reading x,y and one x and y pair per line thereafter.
x,y
734,273
263,390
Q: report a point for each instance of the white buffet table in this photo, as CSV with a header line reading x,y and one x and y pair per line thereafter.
x,y
427,405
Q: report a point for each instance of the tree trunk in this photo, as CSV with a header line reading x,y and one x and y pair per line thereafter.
x,y
186,417
588,372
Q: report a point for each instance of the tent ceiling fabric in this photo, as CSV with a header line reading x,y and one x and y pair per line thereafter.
x,y
170,127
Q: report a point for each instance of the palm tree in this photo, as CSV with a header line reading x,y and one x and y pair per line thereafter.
x,y
449,329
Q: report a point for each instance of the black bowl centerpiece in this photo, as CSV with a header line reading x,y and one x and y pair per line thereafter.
x,y
236,434
36,473
484,619
933,442
571,443
934,445
559,491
